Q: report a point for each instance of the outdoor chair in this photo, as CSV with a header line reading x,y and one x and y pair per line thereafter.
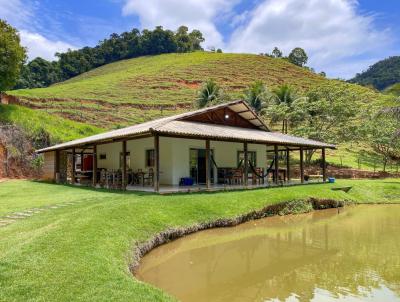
x,y
237,176
149,179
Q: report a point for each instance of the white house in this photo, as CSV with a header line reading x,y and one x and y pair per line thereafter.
x,y
227,145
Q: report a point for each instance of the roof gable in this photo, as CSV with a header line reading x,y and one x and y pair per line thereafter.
x,y
237,114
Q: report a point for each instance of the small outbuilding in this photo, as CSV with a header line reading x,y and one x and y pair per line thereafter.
x,y
226,146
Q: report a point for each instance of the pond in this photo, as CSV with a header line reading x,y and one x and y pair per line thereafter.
x,y
353,255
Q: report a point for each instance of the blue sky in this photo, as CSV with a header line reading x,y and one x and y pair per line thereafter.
x,y
342,37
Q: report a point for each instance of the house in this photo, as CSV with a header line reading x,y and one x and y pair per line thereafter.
x,y
226,145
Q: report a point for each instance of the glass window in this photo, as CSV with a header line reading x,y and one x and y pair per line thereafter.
x,y
150,158
128,160
252,155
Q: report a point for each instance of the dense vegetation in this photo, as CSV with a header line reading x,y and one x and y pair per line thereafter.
x,y
380,75
42,73
92,233
12,56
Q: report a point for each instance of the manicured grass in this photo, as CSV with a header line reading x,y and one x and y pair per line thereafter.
x,y
33,121
81,252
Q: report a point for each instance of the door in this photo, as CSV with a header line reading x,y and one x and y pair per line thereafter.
x,y
198,166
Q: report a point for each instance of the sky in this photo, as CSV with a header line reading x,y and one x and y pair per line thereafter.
x,y
341,37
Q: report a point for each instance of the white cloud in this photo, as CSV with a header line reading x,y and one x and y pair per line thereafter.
x,y
331,31
23,17
196,14
39,46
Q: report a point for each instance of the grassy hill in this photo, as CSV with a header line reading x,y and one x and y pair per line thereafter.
x,y
141,89
34,121
136,90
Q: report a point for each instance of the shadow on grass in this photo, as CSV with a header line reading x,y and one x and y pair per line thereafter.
x,y
87,188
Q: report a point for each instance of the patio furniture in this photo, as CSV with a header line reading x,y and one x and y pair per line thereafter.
x,y
237,176
149,178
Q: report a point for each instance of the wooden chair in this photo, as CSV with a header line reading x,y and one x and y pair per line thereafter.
x,y
254,176
237,176
149,179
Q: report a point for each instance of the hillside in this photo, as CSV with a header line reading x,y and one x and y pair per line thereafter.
x,y
393,89
380,75
116,94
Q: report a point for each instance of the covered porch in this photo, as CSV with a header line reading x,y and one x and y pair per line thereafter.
x,y
166,164
225,147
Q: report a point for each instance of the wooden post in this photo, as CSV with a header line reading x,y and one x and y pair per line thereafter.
x,y
94,168
157,163
301,164
124,182
57,166
208,168
276,164
323,165
288,164
73,166
246,164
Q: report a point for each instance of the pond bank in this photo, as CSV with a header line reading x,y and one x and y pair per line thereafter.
x,y
283,208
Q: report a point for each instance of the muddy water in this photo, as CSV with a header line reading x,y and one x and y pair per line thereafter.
x,y
321,256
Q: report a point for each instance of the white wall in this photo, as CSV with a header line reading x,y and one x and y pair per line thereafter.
x,y
174,155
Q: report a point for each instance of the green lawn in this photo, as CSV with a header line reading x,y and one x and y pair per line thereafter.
x,y
81,252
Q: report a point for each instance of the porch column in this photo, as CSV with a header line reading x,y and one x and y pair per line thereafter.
x,y
57,166
323,165
157,163
124,165
73,166
288,164
246,164
208,168
94,168
276,164
301,164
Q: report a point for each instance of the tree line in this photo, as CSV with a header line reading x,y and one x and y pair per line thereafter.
x,y
329,113
42,73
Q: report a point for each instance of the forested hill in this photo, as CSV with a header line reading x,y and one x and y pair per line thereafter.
x,y
380,75
116,94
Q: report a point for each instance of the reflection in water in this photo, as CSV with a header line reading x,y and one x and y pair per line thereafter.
x,y
321,256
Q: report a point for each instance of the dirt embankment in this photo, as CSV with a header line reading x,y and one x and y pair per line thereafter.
x,y
283,208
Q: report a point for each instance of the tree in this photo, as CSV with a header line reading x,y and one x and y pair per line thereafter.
x,y
298,57
209,93
38,73
256,95
281,108
277,53
327,114
12,56
384,136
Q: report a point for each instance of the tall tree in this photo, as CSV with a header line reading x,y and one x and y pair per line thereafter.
x,y
12,56
256,95
298,57
281,108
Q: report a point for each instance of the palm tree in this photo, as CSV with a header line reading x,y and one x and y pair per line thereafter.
x,y
284,95
208,94
255,95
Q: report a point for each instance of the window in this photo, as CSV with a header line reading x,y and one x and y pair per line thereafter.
x,y
150,158
128,160
252,155
103,156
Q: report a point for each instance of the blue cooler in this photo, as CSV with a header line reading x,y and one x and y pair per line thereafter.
x,y
331,180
